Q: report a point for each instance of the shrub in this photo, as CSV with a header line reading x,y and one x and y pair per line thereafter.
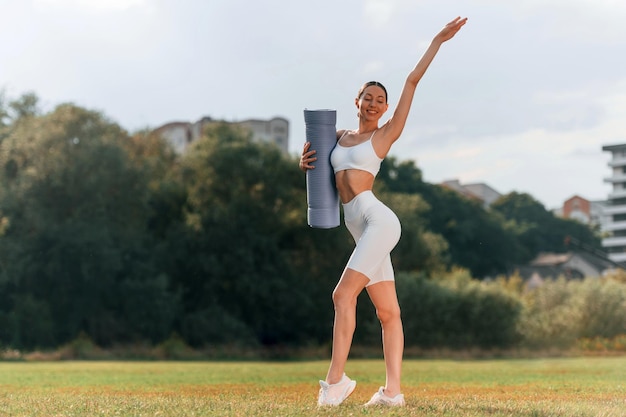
x,y
551,316
457,311
82,347
560,312
603,344
604,308
173,347
215,326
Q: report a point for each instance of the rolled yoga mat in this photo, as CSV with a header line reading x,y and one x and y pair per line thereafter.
x,y
322,195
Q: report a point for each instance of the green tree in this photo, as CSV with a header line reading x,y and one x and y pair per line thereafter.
x,y
76,248
27,105
401,177
247,253
419,250
539,230
475,238
15,110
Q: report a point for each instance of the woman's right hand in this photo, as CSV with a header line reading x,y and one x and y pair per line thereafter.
x,y
307,158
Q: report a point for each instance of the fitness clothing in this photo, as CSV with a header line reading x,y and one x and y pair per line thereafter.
x,y
361,157
374,227
376,231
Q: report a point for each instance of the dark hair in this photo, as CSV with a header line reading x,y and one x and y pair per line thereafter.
x,y
369,84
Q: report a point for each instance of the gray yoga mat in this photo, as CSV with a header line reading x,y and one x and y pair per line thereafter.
x,y
322,195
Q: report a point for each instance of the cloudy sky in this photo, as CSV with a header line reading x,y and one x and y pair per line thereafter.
x,y
522,99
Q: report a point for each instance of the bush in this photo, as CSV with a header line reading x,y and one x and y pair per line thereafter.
x,y
551,316
604,308
457,311
560,312
173,347
215,326
82,347
603,344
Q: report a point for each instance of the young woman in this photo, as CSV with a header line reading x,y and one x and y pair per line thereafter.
x,y
375,228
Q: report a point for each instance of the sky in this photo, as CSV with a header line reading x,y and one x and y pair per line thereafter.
x,y
522,99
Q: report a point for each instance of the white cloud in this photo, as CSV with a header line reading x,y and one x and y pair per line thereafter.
x,y
372,68
582,20
90,5
379,12
523,99
551,165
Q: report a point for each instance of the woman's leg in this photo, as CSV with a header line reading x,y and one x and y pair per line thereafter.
x,y
344,299
384,297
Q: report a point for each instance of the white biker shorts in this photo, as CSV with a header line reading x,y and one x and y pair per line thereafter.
x,y
376,231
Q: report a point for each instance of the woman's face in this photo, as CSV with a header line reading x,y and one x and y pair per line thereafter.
x,y
372,104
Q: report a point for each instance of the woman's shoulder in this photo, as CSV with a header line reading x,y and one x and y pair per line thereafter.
x,y
341,133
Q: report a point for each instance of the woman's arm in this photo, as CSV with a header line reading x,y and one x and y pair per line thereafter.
x,y
308,155
395,125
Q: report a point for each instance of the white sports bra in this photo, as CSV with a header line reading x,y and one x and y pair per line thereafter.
x,y
361,157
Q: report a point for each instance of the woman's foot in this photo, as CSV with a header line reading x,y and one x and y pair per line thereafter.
x,y
335,394
381,399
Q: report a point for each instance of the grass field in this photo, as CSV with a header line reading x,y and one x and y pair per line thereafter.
x,y
534,387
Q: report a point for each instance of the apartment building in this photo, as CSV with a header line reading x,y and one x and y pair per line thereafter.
x,y
476,191
615,209
181,134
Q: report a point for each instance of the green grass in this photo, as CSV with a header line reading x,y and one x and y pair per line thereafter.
x,y
535,388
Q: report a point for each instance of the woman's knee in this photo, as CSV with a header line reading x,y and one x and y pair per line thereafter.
x,y
348,289
388,314
343,298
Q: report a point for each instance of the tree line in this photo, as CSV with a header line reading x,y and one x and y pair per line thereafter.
x,y
113,235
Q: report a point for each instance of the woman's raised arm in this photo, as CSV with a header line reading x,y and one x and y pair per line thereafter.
x,y
394,126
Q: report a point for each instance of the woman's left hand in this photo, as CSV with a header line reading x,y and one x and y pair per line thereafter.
x,y
451,29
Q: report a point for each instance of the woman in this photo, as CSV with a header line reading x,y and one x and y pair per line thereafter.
x,y
376,230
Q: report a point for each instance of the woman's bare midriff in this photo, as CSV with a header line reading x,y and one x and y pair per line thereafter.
x,y
352,182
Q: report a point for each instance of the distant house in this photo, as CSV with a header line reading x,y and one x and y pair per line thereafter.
x,y
181,134
583,210
477,191
577,208
571,265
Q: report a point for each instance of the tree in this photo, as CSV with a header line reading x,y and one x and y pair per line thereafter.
x,y
401,177
76,249
247,253
419,250
474,237
13,111
539,230
25,106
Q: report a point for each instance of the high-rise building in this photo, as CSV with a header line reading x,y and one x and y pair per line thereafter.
x,y
615,209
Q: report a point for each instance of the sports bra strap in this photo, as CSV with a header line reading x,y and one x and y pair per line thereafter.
x,y
345,132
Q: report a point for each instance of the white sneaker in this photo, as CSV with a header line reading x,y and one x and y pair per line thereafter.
x,y
381,399
335,394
